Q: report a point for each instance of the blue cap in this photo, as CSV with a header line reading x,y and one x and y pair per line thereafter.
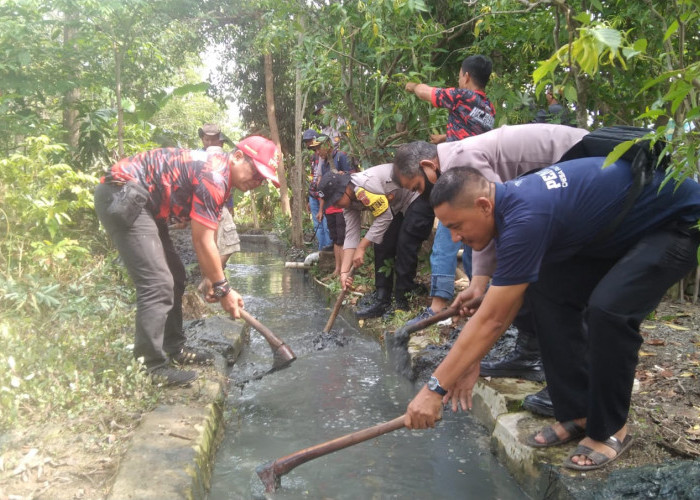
x,y
309,134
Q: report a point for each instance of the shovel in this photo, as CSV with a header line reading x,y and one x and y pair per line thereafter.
x,y
283,356
271,472
338,305
398,342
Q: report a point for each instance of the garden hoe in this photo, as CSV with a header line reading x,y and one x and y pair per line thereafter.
x,y
397,344
270,473
283,356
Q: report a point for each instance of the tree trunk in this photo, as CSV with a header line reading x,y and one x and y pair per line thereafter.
x,y
274,131
297,173
72,97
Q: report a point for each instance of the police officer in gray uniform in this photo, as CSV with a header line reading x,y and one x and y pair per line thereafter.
x,y
402,221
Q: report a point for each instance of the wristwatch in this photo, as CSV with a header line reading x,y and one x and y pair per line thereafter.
x,y
221,289
434,385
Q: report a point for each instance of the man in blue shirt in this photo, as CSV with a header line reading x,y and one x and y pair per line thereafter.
x,y
547,229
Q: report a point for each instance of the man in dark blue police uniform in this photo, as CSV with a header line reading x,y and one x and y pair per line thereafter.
x,y
555,251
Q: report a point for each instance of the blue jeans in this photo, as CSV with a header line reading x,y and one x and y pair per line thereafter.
x,y
322,235
443,262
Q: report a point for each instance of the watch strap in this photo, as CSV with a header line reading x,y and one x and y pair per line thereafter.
x,y
434,385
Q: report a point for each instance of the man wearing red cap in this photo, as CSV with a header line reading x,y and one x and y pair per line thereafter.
x,y
133,202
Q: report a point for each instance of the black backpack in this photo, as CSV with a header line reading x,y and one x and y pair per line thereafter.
x,y
643,157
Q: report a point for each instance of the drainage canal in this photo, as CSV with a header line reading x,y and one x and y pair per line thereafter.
x,y
339,384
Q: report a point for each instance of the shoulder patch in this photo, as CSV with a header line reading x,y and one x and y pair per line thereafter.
x,y
377,203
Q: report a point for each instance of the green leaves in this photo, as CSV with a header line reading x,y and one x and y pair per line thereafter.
x,y
617,152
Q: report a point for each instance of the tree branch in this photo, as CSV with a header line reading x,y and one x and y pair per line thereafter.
x,y
331,49
530,7
392,66
392,138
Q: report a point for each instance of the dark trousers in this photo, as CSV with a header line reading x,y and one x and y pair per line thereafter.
x,y
590,371
402,242
158,275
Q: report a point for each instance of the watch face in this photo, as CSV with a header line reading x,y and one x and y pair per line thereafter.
x,y
433,383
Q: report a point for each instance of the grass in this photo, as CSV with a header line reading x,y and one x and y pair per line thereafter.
x,y
68,355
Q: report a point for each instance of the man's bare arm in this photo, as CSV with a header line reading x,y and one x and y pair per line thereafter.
x,y
422,91
498,310
210,265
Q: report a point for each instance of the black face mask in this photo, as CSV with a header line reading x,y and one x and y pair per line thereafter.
x,y
428,188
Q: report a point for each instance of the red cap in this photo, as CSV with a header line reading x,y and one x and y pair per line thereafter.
x,y
264,154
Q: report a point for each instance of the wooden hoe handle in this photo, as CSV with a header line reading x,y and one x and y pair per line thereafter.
x,y
271,472
338,305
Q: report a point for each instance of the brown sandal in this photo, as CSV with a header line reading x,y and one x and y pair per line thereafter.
x,y
550,436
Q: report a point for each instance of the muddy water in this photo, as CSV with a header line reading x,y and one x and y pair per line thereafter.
x,y
337,385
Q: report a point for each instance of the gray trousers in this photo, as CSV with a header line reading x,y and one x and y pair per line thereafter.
x,y
158,274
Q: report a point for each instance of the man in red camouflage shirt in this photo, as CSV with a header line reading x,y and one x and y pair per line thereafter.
x,y
471,112
134,201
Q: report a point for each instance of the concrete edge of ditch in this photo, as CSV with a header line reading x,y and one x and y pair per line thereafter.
x,y
172,450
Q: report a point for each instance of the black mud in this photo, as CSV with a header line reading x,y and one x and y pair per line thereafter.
x,y
672,480
215,333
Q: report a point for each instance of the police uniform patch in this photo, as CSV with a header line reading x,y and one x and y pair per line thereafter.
x,y
377,203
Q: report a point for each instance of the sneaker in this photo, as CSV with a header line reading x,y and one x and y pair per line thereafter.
x,y
425,314
191,355
167,375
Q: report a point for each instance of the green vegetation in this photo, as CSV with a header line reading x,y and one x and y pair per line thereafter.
x,y
65,325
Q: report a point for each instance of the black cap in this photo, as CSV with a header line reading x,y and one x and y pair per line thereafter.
x,y
332,186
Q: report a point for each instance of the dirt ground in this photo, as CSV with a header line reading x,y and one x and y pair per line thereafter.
x,y
666,407
71,460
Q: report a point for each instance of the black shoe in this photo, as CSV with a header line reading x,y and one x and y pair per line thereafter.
x,y
524,362
514,366
328,248
539,403
374,309
192,355
377,306
167,375
366,299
